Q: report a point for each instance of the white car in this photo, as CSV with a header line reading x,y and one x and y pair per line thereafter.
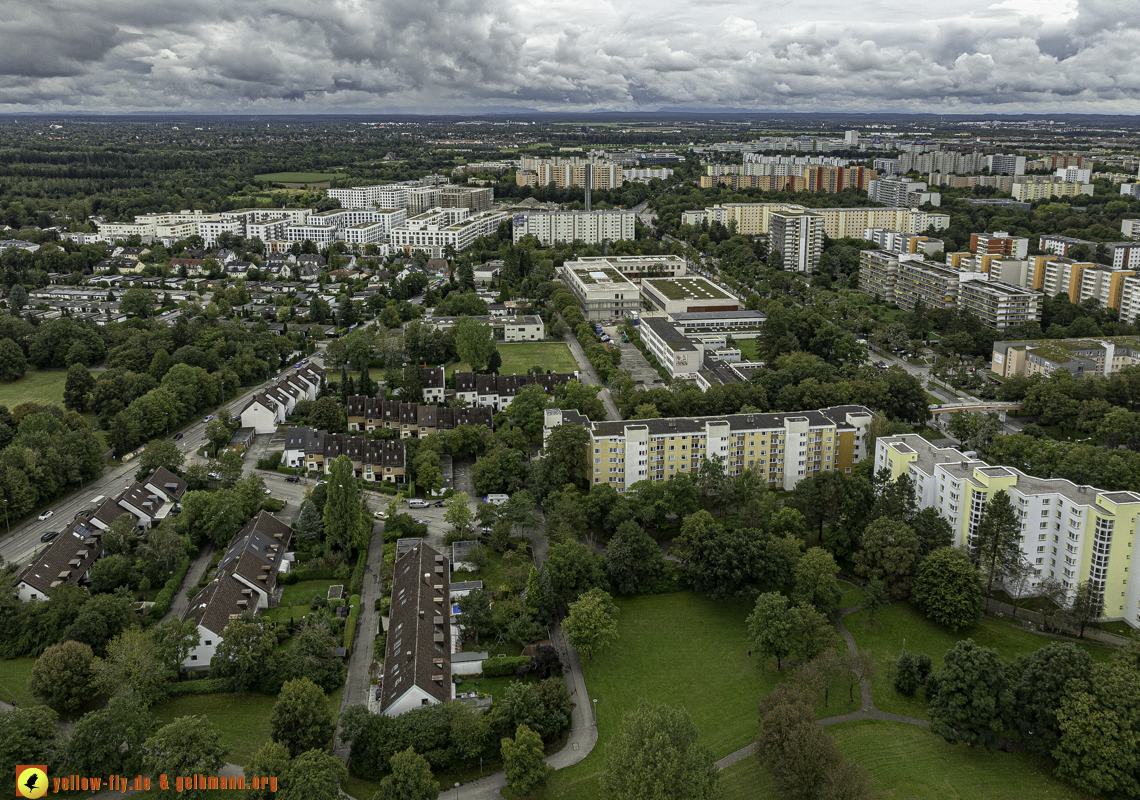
x,y
268,490
46,514
380,514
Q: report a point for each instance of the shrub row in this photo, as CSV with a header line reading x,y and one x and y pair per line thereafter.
x,y
309,575
502,667
204,686
356,582
165,597
287,470
350,623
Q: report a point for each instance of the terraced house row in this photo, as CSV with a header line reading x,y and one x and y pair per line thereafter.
x,y
412,420
372,460
1070,533
782,448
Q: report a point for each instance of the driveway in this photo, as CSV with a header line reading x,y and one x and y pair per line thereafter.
x,y
359,682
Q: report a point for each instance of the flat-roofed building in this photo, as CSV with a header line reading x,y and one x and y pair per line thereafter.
x,y
1063,276
680,357
999,243
935,285
637,267
563,227
604,293
1105,285
1070,533
999,305
878,273
699,325
782,448
1077,356
686,295
798,237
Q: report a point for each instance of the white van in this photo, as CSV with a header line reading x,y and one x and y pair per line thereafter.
x,y
417,503
496,499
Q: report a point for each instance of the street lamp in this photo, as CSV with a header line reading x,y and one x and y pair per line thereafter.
x,y
6,528
595,711
457,790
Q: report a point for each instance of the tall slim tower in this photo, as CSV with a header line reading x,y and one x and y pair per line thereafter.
x,y
589,183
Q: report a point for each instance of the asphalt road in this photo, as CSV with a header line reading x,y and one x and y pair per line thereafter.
x,y
22,542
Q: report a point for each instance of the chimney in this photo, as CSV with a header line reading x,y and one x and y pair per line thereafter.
x,y
427,579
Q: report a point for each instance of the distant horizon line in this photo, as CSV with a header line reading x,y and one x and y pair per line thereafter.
x,y
526,113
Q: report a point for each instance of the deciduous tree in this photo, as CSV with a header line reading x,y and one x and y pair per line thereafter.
x,y
948,589
656,756
1046,675
973,696
522,761
301,718
411,779
187,746
816,582
63,676
890,553
592,622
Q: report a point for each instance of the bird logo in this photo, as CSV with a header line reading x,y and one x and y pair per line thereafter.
x,y
31,781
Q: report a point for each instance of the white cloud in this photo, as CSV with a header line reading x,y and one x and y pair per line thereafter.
x,y
436,55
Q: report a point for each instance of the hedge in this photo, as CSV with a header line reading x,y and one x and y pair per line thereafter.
x,y
350,623
204,686
502,667
356,582
165,597
309,575
287,470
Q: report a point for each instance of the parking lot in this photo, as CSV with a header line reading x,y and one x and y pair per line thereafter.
x,y
644,376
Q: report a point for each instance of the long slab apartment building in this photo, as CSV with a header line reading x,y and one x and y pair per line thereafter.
x,y
1069,532
782,448
1093,356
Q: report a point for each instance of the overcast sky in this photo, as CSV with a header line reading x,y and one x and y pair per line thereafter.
x,y
298,56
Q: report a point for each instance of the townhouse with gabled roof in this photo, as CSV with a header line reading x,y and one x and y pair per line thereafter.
x,y
68,559
412,420
497,391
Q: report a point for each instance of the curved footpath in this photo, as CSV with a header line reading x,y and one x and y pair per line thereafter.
x,y
866,710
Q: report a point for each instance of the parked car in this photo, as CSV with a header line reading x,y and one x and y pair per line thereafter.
x,y
439,504
177,436
46,514
214,476
292,479
419,521
380,514
415,502
47,537
268,490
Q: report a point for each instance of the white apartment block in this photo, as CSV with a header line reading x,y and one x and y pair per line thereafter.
x,y
798,237
903,243
878,273
434,230
754,219
588,227
1000,164
1069,532
1105,285
1031,188
604,293
422,198
387,196
322,235
1130,300
901,191
1000,305
1130,190
936,285
646,175
1131,227
1074,174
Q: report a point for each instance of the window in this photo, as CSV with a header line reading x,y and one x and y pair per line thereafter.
x,y
209,642
193,658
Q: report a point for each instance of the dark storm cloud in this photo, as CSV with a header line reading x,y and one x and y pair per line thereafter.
x,y
315,55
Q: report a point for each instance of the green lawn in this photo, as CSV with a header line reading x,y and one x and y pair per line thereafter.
x,y
39,386
682,649
301,593
521,356
14,674
749,349
903,623
909,762
241,719
852,596
283,614
296,177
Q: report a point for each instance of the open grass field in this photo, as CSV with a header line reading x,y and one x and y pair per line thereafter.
x,y
521,356
241,719
296,177
14,674
682,649
903,624
37,386
910,762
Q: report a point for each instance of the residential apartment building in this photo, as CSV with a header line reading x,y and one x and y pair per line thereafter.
x,y
1104,284
568,172
903,243
936,285
1130,300
496,392
951,161
638,267
269,408
1000,305
519,328
1000,164
686,295
475,198
392,195
1003,183
646,175
901,191
1063,276
754,219
417,662
1130,228
798,237
1070,533
246,577
680,357
1078,356
999,243
1130,190
437,228
604,293
1031,188
411,420
588,227
781,448
878,273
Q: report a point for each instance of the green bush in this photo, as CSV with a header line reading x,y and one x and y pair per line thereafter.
x,y
350,623
314,575
502,667
272,461
356,582
204,686
286,470
272,505
165,597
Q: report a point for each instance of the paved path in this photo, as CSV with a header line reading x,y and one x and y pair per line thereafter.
x,y
358,682
193,575
588,374
866,710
